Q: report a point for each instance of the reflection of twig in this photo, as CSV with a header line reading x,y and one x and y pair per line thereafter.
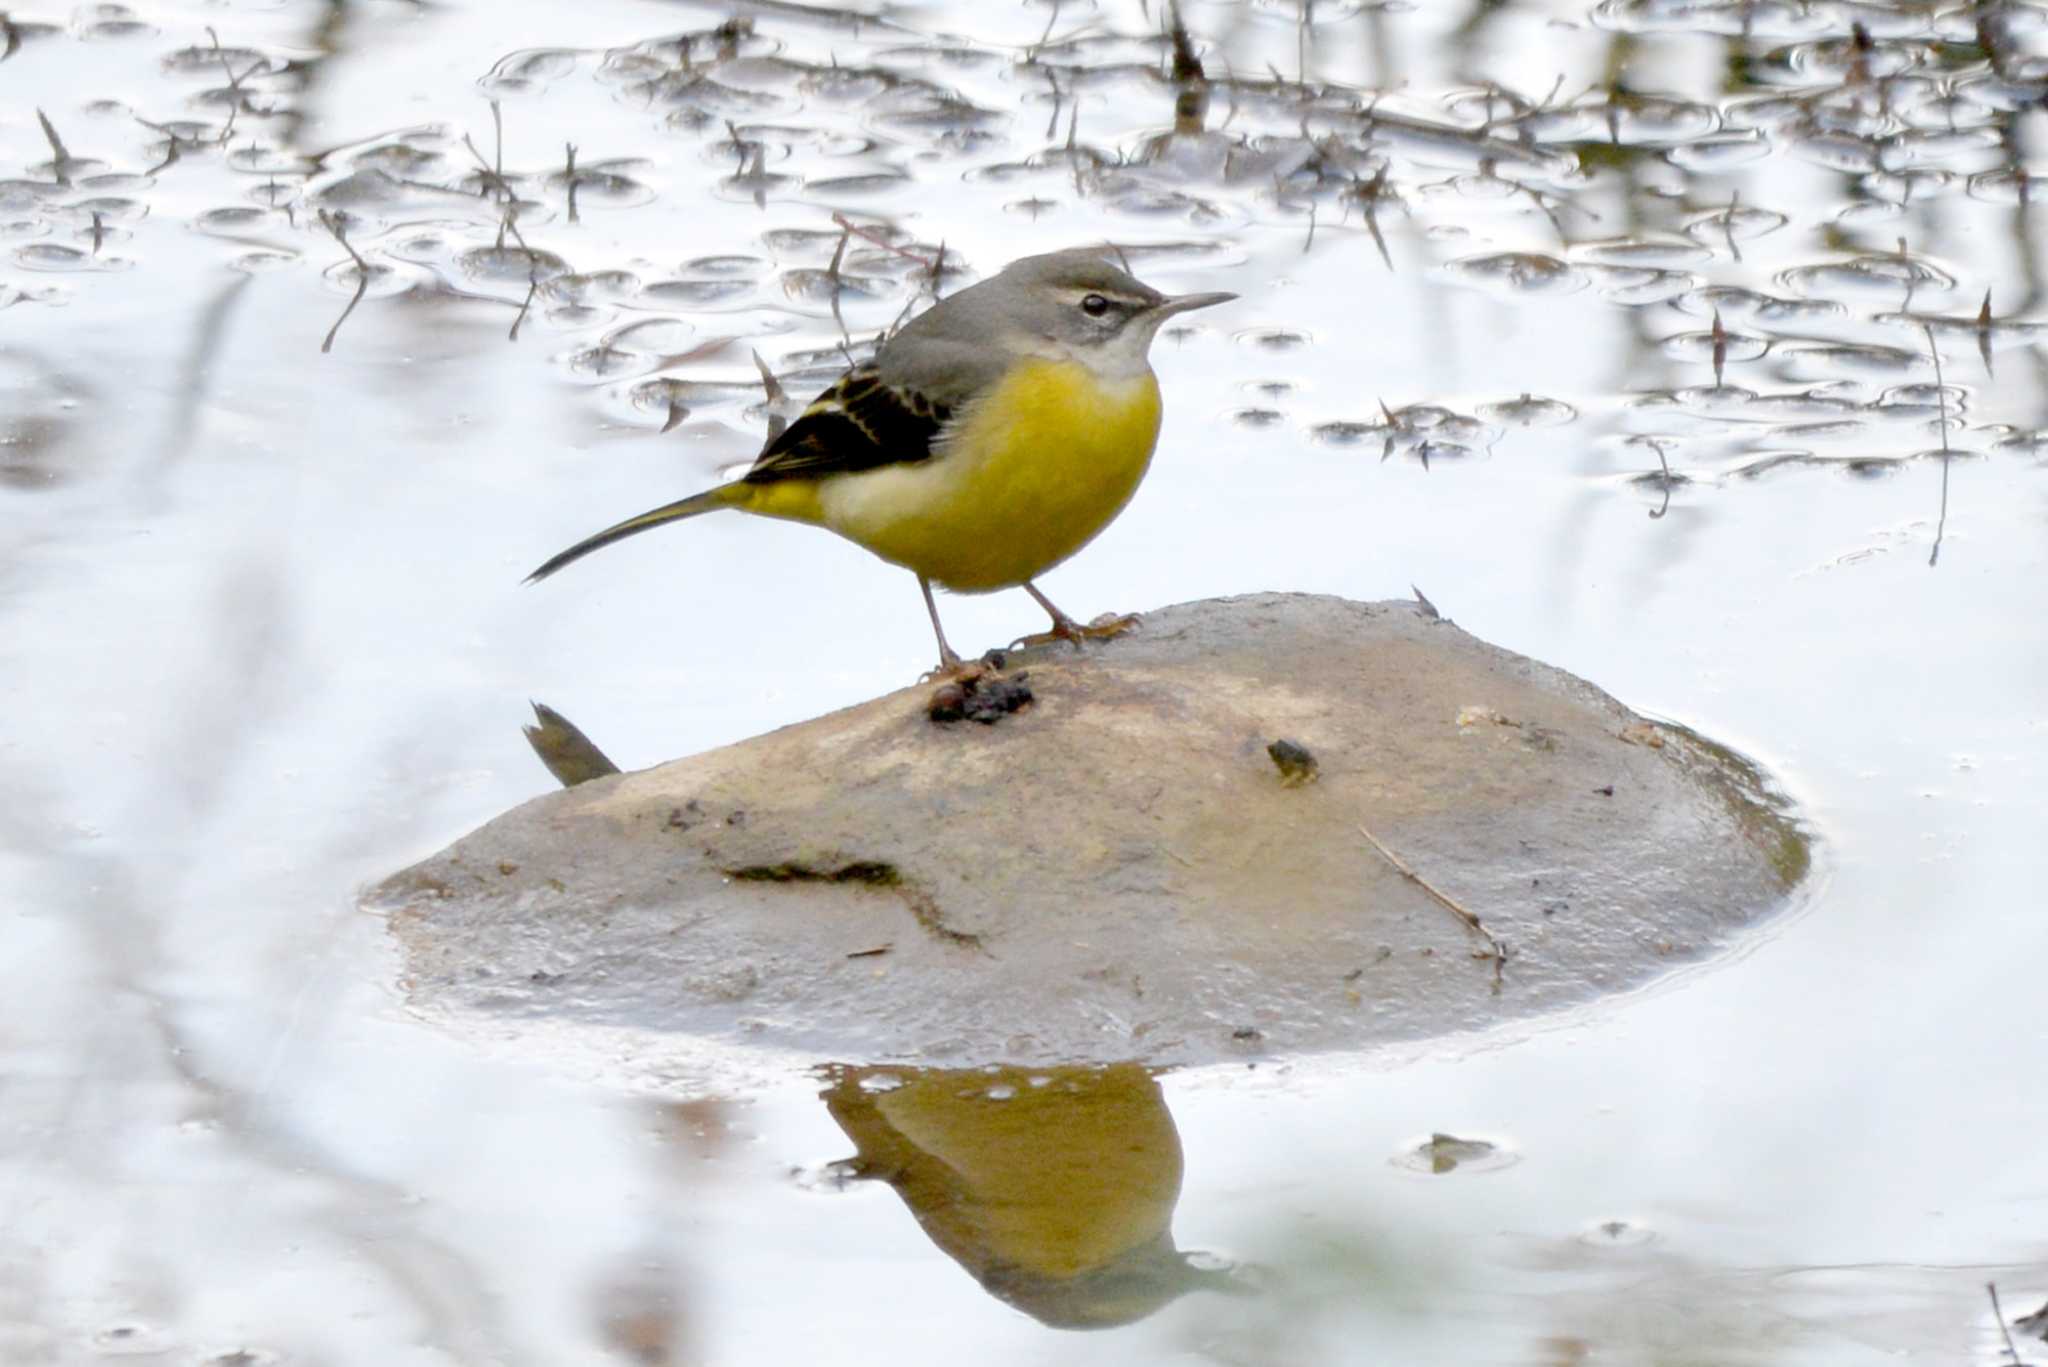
x,y
1031,53
571,174
1941,402
870,235
838,283
1499,947
1998,1313
60,159
332,222
1666,481
532,288
772,387
1984,333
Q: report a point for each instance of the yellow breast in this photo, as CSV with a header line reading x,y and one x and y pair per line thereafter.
x,y
1028,474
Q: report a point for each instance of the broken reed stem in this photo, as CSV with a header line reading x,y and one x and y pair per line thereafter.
x,y
1472,922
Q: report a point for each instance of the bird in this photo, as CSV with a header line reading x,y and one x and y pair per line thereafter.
x,y
988,440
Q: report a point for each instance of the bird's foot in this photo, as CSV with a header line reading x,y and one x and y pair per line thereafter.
x,y
953,669
1103,628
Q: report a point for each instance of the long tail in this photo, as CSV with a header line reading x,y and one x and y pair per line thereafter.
x,y
708,501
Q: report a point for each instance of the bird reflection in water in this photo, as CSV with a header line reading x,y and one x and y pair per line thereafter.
x,y
1054,1187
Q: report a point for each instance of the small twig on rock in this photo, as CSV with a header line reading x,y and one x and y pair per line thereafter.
x,y
1472,922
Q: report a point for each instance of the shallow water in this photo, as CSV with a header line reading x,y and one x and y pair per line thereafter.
x,y
264,641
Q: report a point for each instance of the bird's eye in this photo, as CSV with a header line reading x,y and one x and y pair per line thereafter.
x,y
1094,305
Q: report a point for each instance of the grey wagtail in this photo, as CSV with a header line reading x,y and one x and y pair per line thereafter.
x,y
986,442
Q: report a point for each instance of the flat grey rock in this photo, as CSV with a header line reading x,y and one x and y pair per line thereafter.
x,y
1122,870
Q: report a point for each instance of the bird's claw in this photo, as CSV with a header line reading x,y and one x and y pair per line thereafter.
x,y
1103,628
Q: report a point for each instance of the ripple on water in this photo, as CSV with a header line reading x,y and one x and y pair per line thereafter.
x,y
1767,19
1272,339
1723,152
1700,346
1656,121
604,183
1347,433
1644,252
1441,1154
1837,151
587,287
1641,285
55,256
822,286
1528,410
2023,443
1738,223
211,60
233,219
534,66
504,263
1517,273
377,282
1851,358
1865,276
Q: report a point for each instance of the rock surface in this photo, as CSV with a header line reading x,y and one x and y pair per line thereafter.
x,y
1128,867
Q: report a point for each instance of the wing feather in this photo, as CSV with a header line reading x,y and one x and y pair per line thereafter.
x,y
860,423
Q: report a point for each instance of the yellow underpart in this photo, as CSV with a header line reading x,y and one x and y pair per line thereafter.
x,y
1027,475
793,499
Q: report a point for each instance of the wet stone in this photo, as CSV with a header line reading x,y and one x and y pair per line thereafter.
x,y
1118,871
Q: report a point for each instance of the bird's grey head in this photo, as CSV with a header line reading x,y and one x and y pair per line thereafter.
x,y
1075,304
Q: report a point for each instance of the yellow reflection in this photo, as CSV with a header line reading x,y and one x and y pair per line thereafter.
x,y
1054,1187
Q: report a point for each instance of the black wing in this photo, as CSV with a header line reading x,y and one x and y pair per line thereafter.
x,y
860,423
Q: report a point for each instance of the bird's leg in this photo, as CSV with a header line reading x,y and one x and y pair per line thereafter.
x,y
1065,628
949,663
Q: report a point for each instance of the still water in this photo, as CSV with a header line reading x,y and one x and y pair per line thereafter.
x,y
308,356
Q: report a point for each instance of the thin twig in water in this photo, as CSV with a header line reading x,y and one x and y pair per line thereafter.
x,y
234,81
59,158
870,235
1984,332
832,274
332,222
1941,401
1998,1313
570,173
1667,481
532,288
772,387
1031,53
1498,946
